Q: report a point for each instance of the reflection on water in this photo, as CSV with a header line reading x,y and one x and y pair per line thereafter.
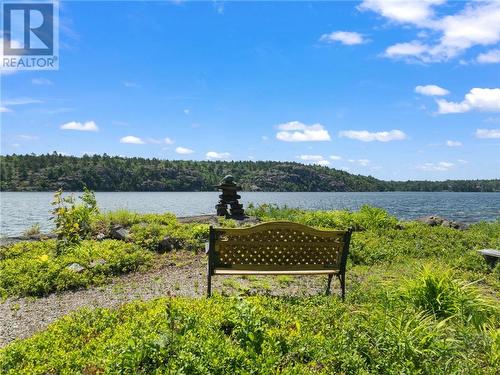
x,y
21,210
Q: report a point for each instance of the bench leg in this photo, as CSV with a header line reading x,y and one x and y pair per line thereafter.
x,y
328,285
342,285
209,285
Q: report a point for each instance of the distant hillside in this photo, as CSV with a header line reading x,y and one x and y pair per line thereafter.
x,y
106,173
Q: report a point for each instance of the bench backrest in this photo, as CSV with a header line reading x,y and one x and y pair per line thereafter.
x,y
278,245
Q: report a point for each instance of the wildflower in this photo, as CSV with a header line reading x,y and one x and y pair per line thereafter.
x,y
44,258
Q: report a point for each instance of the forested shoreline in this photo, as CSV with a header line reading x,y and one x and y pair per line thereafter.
x,y
50,172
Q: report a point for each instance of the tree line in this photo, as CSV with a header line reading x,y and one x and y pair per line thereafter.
x,y
50,172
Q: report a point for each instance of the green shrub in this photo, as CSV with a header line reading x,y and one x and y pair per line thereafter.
x,y
367,218
36,268
73,221
148,236
437,292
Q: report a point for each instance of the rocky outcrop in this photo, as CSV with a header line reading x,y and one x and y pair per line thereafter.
x,y
435,221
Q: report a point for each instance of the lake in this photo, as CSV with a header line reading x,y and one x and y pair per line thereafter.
x,y
20,210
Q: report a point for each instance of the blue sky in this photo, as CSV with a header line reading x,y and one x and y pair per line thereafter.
x,y
397,90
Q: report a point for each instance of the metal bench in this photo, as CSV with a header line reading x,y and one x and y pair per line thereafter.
x,y
278,248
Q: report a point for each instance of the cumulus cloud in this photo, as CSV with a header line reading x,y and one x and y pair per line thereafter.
x,y
490,57
133,140
168,141
335,157
311,157
295,131
404,50
476,24
88,126
366,136
323,163
485,100
433,167
4,109
402,11
453,143
431,90
213,155
183,150
488,133
314,159
345,37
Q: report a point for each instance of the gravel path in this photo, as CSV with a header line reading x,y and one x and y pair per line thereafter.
x,y
178,273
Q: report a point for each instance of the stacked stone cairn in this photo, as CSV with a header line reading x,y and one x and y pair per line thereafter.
x,y
229,197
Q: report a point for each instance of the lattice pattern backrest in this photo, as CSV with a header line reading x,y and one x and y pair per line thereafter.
x,y
278,244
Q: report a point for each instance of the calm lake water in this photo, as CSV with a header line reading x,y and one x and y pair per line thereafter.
x,y
21,210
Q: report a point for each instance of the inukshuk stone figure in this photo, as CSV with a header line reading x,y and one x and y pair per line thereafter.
x,y
229,197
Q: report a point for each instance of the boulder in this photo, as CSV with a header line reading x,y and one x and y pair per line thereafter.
x,y
75,267
169,243
454,225
433,221
120,233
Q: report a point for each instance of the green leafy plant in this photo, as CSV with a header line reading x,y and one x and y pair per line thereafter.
x,y
73,220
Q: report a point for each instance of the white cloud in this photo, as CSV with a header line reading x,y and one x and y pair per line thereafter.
x,y
296,131
453,143
4,109
364,162
407,49
335,157
168,141
133,140
42,81
366,136
213,155
20,101
476,24
431,90
490,57
485,100
488,133
324,163
402,11
88,126
433,167
345,37
311,157
183,150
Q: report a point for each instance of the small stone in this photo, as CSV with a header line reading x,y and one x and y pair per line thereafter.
x,y
165,244
100,236
120,233
75,267
97,262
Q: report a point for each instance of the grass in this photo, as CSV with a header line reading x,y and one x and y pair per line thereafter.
x,y
420,300
229,335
